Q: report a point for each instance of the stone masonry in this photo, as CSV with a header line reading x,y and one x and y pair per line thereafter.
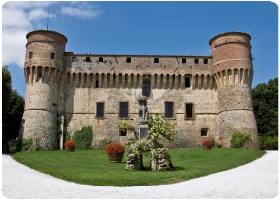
x,y
209,95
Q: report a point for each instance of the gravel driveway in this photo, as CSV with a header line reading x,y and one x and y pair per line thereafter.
x,y
256,180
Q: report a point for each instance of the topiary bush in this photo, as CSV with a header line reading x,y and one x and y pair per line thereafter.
x,y
239,139
83,138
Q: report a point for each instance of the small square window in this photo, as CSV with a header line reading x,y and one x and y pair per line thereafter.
x,y
189,110
156,60
52,55
100,110
87,59
74,59
128,60
184,60
30,55
169,109
100,59
205,61
204,132
122,133
196,61
123,109
187,82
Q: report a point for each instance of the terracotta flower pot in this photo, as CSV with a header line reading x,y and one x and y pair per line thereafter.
x,y
115,158
70,148
207,147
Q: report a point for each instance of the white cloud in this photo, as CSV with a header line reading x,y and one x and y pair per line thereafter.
x,y
277,2
18,17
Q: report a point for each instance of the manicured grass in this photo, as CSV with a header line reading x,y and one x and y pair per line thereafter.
x,y
92,167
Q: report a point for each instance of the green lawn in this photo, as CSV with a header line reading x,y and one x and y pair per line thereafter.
x,y
92,167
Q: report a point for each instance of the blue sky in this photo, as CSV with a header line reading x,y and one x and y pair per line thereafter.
x,y
146,28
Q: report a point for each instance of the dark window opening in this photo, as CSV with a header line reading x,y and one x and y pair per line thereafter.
x,y
30,55
87,59
57,115
205,61
40,75
184,60
169,109
54,104
196,60
74,59
96,85
123,109
189,112
156,60
100,59
146,89
52,55
123,133
128,60
203,133
100,110
187,82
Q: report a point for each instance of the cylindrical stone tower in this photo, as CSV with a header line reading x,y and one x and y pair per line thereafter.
x,y
232,62
42,70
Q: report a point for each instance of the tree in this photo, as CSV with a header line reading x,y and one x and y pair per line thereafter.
x,y
265,102
12,120
6,90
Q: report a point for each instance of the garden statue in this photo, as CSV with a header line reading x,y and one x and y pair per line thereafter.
x,y
142,108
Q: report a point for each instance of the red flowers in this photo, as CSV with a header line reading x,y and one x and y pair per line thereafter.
x,y
70,143
207,142
116,148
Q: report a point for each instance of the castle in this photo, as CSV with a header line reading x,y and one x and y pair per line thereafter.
x,y
205,95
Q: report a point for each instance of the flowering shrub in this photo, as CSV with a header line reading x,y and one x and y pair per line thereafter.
x,y
115,148
207,142
70,143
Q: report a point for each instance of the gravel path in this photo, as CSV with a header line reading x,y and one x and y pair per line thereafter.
x,y
258,179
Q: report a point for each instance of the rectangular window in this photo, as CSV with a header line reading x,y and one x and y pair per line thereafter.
x,y
122,133
156,60
189,110
196,61
123,109
146,89
100,110
30,55
87,59
96,84
169,109
205,61
203,133
128,60
184,60
100,59
187,82
52,55
74,59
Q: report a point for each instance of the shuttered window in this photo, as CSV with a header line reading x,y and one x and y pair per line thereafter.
x,y
169,109
100,110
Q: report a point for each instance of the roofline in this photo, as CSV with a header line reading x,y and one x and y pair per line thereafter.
x,y
28,34
68,53
228,33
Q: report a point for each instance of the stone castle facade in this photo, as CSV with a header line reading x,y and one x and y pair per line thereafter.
x,y
205,95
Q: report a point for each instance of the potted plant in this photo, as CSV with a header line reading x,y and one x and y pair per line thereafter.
x,y
70,145
115,152
207,144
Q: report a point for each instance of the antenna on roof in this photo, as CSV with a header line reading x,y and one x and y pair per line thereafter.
x,y
48,16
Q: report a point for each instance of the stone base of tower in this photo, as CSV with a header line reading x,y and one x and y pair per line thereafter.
x,y
238,120
42,125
